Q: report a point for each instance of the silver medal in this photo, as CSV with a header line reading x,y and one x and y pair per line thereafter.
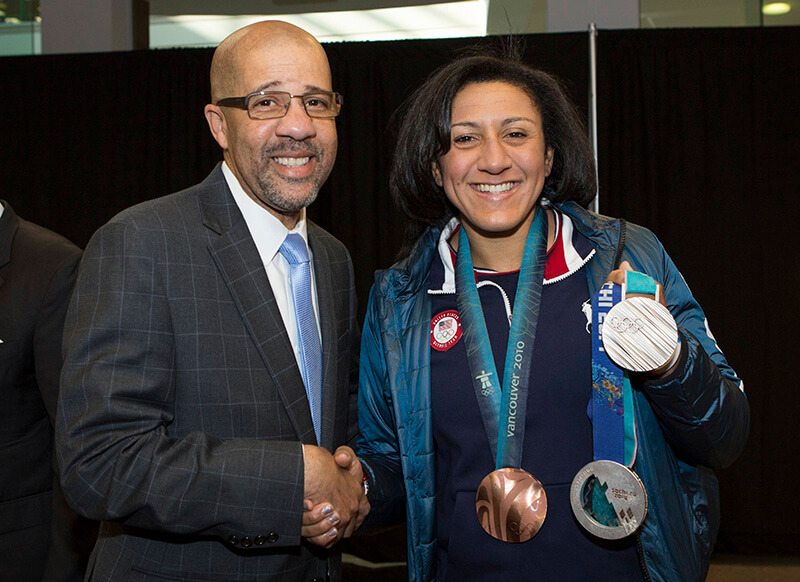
x,y
640,334
608,500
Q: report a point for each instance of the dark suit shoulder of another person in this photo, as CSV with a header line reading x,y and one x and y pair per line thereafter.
x,y
41,539
38,269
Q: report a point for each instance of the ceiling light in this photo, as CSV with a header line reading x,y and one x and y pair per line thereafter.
x,y
776,8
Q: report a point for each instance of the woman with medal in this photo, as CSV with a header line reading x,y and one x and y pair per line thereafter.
x,y
477,357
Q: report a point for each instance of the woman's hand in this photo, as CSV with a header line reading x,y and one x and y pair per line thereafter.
x,y
319,524
619,278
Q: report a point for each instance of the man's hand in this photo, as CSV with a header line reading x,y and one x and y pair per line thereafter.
x,y
335,504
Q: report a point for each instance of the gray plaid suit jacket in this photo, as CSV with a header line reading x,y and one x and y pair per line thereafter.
x,y
182,409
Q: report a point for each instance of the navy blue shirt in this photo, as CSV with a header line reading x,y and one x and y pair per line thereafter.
x,y
557,443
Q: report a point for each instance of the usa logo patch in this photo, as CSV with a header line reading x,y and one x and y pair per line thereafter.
x,y
445,330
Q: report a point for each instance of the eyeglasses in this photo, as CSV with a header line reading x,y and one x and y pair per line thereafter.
x,y
275,104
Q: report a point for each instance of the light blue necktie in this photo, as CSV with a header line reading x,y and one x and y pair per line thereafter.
x,y
294,251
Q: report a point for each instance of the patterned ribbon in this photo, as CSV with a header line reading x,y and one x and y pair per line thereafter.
x,y
614,433
503,416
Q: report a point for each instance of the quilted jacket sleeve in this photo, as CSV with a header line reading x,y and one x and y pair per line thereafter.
x,y
701,405
378,446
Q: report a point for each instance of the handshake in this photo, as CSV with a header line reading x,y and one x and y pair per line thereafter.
x,y
334,502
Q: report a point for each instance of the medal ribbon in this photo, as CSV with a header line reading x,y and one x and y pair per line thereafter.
x,y
503,415
612,396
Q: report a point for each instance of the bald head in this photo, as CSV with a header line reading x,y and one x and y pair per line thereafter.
x,y
247,42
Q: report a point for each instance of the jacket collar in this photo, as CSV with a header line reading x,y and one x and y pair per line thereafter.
x,y
603,231
603,234
217,206
410,274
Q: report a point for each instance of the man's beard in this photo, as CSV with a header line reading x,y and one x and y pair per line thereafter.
x,y
273,187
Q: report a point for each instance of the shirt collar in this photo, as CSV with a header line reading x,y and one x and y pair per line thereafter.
x,y
267,231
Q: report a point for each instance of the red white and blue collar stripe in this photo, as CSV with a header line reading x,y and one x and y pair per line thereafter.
x,y
567,255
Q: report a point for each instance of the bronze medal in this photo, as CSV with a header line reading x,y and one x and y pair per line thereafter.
x,y
511,505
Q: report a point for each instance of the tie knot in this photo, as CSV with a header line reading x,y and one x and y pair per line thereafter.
x,y
294,249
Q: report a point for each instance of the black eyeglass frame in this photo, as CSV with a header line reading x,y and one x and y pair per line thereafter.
x,y
241,102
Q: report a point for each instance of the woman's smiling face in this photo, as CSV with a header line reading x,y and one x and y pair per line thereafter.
x,y
495,169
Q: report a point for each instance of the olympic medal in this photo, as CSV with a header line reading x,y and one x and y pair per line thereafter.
x,y
511,505
640,334
608,500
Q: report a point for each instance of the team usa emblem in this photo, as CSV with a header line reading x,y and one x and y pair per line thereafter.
x,y
445,330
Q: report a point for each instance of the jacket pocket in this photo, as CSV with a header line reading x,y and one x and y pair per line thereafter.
x,y
25,512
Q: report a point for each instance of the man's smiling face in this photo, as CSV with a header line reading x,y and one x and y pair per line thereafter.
x,y
280,163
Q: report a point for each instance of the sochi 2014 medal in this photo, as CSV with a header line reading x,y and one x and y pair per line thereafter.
x,y
608,499
511,505
640,334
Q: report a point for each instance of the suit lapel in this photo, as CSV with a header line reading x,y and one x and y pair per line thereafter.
x,y
239,264
8,228
327,323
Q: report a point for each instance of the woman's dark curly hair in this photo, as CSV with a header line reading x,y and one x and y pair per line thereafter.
x,y
424,136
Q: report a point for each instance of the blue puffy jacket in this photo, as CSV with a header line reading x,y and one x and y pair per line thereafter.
x,y
688,423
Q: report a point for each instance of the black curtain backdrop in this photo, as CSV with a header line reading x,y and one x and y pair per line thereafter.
x,y
697,141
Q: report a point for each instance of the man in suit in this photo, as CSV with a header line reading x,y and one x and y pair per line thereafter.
x,y
188,406
40,537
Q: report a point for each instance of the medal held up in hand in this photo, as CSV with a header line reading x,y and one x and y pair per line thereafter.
x,y
640,334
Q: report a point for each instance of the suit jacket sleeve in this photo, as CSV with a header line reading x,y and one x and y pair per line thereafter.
x,y
118,458
353,346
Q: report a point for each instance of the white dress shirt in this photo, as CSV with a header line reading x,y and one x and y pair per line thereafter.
x,y
269,233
